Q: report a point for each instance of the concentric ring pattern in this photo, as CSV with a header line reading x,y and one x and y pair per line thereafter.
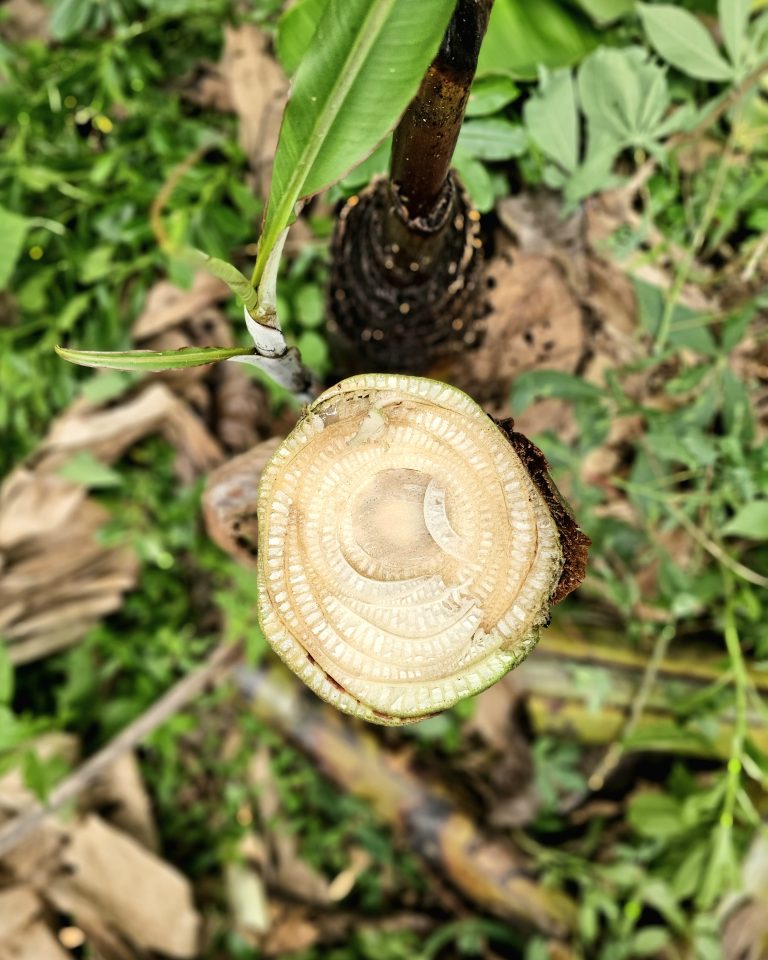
x,y
406,559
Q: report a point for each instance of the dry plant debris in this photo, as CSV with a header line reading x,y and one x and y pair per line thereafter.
x,y
258,89
233,406
554,302
56,579
229,501
249,82
83,875
487,870
25,20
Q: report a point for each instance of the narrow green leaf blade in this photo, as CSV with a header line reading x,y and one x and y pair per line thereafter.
x,y
151,361
682,40
229,274
364,65
13,230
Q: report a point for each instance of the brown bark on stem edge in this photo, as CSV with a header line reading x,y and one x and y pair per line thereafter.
x,y
406,253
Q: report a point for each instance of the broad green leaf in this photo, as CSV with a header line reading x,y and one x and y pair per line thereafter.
x,y
662,735
734,328
475,177
493,138
151,361
552,119
39,178
605,11
314,351
12,732
295,31
655,815
73,310
734,17
686,330
758,219
688,875
6,676
682,40
657,893
522,36
363,67
13,230
105,387
97,264
68,17
6,58
750,522
624,96
490,94
649,941
588,925
757,38
310,305
594,174
363,173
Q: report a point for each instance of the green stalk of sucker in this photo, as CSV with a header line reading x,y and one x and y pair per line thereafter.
x,y
409,548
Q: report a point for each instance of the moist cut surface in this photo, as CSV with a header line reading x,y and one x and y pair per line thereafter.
x,y
406,559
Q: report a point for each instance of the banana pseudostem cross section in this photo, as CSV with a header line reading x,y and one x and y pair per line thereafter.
x,y
406,558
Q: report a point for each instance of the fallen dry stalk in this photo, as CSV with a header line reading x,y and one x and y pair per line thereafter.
x,y
493,874
215,667
56,579
560,700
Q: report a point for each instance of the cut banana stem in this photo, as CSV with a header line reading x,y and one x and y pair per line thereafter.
x,y
407,559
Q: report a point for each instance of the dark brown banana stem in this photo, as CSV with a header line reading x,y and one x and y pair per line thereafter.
x,y
406,255
426,136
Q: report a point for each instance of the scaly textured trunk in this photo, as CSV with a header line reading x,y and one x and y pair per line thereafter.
x,y
408,554
406,254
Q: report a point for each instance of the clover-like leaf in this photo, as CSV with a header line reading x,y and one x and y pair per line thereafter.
x,y
682,40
